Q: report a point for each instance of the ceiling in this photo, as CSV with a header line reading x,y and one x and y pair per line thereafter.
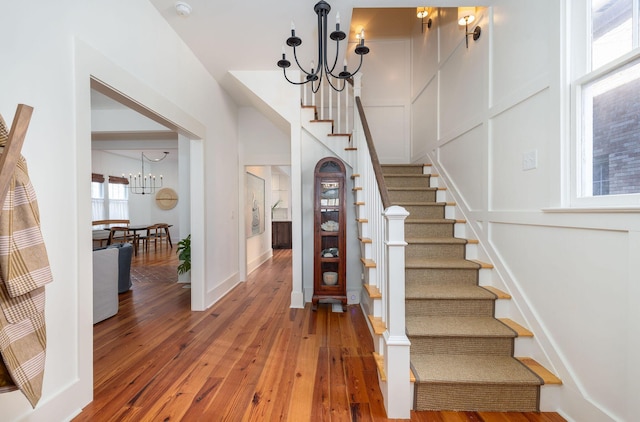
x,y
249,34
246,35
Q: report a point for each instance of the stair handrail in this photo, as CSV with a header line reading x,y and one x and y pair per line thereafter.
x,y
377,168
385,230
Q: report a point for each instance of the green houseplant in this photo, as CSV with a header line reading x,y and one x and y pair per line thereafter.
x,y
184,255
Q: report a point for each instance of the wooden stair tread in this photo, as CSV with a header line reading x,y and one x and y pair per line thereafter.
x,y
441,263
547,376
362,220
355,175
457,326
499,293
419,204
472,369
380,365
433,221
379,327
379,359
519,329
435,240
425,176
365,240
412,189
351,149
368,263
373,291
483,264
418,290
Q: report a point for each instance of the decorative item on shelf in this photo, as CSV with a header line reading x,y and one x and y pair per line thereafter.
x,y
322,70
330,278
329,226
166,199
330,194
142,184
330,253
184,255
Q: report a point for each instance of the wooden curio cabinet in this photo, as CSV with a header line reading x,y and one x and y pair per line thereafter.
x,y
329,281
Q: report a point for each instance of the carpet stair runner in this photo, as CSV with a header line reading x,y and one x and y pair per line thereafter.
x,y
461,355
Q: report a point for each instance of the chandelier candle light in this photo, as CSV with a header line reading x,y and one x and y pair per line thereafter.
x,y
322,70
142,184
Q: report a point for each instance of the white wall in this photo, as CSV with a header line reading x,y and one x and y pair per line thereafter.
x,y
259,246
385,96
573,275
53,49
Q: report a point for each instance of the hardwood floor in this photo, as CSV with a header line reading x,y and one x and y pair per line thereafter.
x,y
248,358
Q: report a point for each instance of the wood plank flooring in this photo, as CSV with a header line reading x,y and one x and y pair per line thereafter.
x,y
248,358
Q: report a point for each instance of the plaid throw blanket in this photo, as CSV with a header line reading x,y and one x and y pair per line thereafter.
x,y
24,270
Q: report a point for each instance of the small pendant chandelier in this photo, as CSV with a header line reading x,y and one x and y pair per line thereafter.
x,y
143,184
322,70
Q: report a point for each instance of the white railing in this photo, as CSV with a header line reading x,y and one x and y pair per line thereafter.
x,y
332,105
385,228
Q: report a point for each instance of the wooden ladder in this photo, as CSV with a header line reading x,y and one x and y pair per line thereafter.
x,y
8,161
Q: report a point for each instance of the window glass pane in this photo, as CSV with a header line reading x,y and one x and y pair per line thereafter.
x,y
611,30
118,202
610,159
118,191
97,190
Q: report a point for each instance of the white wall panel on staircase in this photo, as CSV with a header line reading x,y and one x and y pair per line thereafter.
x,y
463,160
388,125
463,80
576,281
386,91
424,50
519,130
424,112
518,55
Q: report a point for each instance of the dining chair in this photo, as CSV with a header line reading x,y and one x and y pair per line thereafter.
x,y
163,234
151,236
121,234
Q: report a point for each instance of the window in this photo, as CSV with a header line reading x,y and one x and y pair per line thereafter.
x,y
118,198
115,204
97,197
607,147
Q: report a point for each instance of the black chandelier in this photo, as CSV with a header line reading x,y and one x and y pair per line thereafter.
x,y
316,74
143,184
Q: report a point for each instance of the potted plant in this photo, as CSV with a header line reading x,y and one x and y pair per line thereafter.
x,y
184,255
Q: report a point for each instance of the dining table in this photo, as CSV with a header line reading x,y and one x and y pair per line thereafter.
x,y
144,227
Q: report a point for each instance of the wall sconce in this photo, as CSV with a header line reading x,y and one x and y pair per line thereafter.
x,y
423,12
467,15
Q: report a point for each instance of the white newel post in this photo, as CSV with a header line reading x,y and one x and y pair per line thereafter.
x,y
398,400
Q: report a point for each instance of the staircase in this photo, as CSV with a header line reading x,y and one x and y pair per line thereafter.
x,y
461,355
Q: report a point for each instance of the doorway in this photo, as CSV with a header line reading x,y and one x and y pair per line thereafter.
x,y
160,134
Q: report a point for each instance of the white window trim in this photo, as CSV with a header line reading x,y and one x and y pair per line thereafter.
x,y
579,21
